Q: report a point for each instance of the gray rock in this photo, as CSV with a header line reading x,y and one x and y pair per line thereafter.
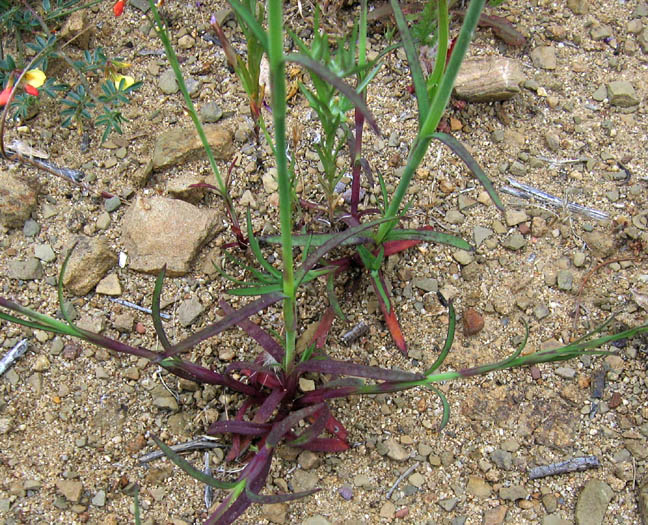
x,y
44,252
600,244
579,259
31,228
448,504
112,204
540,311
515,217
502,458
642,501
478,487
303,480
103,221
578,7
89,262
480,234
565,280
622,93
518,169
465,202
427,284
18,198
513,493
553,140
176,145
167,82
166,402
142,5
641,10
463,257
99,499
600,94
394,450
454,217
186,42
514,242
544,57
275,512
210,112
601,32
193,86
27,270
158,231
566,372
555,519
189,310
318,519
593,502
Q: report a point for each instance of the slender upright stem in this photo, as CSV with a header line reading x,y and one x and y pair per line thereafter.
x,y
431,120
278,84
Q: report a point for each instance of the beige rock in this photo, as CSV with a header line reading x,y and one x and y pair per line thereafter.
x,y
18,198
158,231
77,30
176,145
90,260
486,79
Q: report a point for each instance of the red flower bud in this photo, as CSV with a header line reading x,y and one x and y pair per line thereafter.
x,y
118,8
4,96
31,90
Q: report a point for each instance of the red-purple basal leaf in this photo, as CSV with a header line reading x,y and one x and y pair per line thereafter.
x,y
323,328
225,323
267,408
325,445
257,333
336,428
199,374
390,317
284,426
243,428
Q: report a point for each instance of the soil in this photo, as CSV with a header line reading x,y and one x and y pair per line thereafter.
x,y
77,418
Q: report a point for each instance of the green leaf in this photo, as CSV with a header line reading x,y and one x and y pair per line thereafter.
x,y
472,165
251,23
428,235
412,59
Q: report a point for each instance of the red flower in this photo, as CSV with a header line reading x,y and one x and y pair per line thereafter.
x,y
6,93
118,8
31,90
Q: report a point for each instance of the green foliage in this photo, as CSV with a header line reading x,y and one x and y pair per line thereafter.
x,y
29,28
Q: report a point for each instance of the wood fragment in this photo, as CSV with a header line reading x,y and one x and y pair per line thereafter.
x,y
12,355
401,478
355,333
486,79
563,467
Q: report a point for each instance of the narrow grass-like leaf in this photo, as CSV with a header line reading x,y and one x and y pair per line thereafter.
x,y
155,310
332,297
259,276
278,498
315,239
256,250
452,321
251,22
328,76
459,149
312,431
446,406
412,59
190,469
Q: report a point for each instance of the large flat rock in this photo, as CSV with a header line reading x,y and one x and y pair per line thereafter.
x,y
158,231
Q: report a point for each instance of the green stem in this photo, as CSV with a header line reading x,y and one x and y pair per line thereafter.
x,y
442,48
431,121
278,84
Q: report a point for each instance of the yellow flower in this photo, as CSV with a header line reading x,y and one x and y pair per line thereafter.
x,y
128,80
35,78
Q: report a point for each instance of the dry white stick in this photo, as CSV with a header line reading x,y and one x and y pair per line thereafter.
x,y
17,351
